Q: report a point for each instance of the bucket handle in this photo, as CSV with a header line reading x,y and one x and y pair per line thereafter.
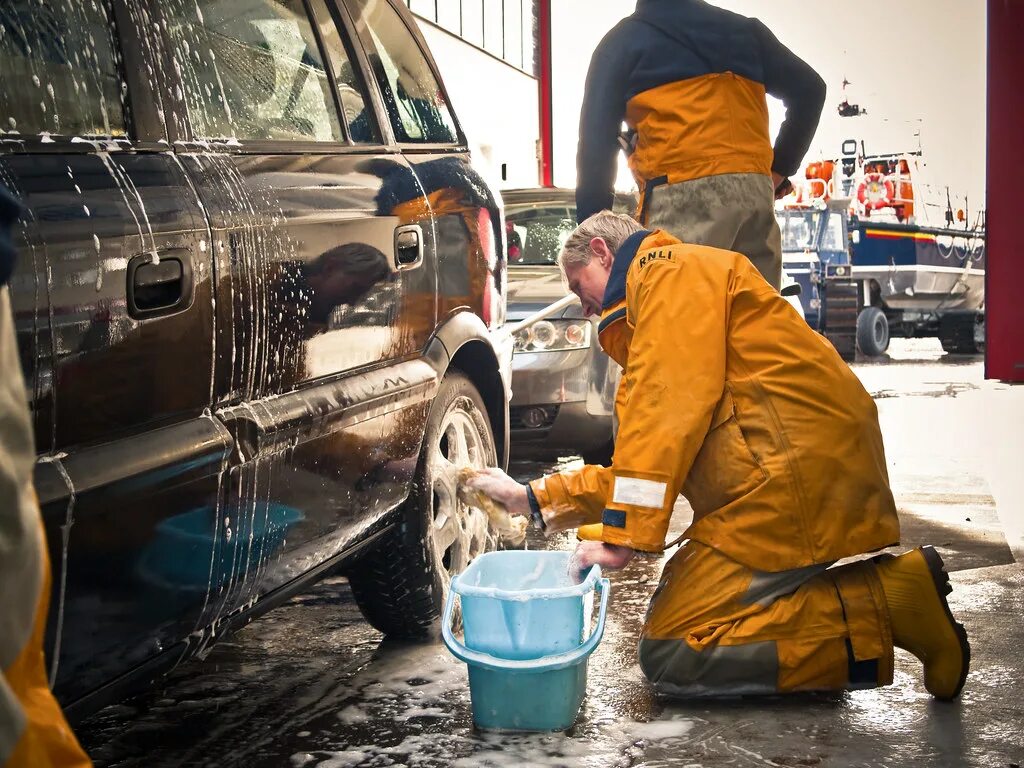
x,y
544,663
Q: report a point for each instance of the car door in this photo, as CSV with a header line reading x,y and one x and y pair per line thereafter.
x,y
113,245
325,284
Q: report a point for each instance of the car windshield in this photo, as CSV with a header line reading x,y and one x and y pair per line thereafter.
x,y
799,229
834,238
536,235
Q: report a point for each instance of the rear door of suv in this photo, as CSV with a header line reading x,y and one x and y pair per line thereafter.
x,y
325,283
115,322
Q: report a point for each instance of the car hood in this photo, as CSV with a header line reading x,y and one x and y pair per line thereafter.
x,y
532,284
533,288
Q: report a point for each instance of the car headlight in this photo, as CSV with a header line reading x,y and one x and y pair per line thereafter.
x,y
553,336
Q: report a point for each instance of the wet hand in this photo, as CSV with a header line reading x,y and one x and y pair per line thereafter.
x,y
610,557
503,489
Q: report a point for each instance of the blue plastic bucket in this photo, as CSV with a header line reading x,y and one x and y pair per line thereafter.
x,y
527,638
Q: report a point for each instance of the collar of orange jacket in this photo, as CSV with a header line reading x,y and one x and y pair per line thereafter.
x,y
615,291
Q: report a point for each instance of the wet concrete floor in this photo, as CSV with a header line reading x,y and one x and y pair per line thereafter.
x,y
311,684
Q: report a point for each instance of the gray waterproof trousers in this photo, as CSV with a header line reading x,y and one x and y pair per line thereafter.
x,y
734,211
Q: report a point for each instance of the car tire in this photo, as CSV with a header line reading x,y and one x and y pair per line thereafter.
x,y
872,332
600,455
401,585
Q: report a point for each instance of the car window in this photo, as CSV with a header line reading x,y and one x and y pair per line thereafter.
x,y
536,235
355,104
252,69
415,104
59,69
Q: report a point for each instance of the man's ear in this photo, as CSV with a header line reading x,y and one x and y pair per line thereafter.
x,y
600,249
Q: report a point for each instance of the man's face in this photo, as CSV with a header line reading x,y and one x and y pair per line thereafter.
x,y
588,281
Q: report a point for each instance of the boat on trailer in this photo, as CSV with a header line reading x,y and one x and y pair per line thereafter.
x,y
904,276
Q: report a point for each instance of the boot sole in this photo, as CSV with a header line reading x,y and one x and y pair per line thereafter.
x,y
942,587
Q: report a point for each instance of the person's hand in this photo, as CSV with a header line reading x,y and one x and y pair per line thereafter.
x,y
781,185
492,482
609,556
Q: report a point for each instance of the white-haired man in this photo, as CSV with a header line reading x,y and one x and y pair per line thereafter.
x,y
732,400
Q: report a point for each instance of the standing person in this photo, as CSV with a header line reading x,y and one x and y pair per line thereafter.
x,y
33,731
690,80
730,398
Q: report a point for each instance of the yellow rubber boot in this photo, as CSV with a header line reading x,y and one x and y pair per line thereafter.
x,y
915,586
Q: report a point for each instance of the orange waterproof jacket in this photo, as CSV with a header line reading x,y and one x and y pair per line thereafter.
x,y
730,398
690,79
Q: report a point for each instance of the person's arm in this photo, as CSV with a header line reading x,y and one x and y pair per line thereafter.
x,y
801,89
571,499
556,502
604,106
676,376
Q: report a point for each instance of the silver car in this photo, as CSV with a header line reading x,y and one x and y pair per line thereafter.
x,y
563,385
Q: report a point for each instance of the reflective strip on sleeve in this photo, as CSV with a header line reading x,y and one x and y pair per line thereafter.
x,y
639,493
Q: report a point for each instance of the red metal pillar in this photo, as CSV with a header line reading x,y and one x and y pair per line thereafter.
x,y
1004,310
544,93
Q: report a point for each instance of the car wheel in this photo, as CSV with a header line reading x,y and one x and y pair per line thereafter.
x,y
602,454
401,585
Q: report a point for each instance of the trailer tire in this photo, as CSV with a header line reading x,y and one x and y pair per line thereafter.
x,y
872,332
959,335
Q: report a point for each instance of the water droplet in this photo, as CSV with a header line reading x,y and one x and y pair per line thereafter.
x,y
35,79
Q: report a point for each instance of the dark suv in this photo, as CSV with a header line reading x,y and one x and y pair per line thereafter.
x,y
255,299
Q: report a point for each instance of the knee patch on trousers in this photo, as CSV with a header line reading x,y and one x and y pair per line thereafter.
x,y
676,669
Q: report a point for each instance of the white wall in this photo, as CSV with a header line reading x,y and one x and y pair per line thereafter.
x,y
496,105
577,26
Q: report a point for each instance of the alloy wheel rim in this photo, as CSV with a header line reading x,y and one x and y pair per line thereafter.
x,y
458,532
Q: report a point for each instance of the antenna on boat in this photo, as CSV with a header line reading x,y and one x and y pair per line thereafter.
x,y
846,109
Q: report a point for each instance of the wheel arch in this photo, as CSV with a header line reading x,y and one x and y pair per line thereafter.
x,y
463,342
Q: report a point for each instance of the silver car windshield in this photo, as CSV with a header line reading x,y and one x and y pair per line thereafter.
x,y
536,235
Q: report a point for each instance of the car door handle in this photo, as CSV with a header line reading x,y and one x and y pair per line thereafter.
x,y
159,286
408,246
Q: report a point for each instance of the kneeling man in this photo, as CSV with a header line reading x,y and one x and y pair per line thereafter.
x,y
729,398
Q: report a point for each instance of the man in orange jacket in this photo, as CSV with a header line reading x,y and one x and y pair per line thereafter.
x,y
732,400
690,82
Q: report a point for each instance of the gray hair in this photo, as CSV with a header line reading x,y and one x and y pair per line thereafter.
x,y
613,228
